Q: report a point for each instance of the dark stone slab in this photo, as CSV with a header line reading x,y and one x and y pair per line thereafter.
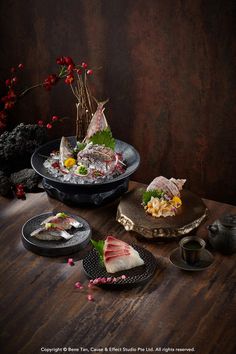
x,y
132,215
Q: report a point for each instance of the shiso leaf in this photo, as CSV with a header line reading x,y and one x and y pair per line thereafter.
x,y
156,193
99,246
104,137
79,146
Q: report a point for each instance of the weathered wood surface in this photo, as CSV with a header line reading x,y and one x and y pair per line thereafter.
x,y
41,309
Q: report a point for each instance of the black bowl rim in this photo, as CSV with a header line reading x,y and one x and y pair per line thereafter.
x,y
114,180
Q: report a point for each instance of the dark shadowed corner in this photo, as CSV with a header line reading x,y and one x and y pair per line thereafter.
x,y
118,74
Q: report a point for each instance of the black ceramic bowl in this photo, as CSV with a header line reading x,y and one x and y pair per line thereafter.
x,y
89,193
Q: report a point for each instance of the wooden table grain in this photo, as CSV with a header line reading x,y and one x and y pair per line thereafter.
x,y
41,311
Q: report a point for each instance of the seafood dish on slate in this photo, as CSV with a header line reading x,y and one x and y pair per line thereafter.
x,y
93,160
162,197
54,228
117,255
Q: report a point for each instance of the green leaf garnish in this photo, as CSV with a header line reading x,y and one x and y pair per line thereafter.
x,y
82,170
61,215
79,147
156,193
99,246
104,137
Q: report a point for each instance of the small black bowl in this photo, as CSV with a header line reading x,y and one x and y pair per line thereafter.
x,y
92,194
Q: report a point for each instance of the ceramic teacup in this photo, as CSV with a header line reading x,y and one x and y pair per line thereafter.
x,y
191,248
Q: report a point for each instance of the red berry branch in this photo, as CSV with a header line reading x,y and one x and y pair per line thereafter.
x,y
8,101
76,77
73,75
53,120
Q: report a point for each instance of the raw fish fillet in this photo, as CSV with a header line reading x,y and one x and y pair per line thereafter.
x,y
100,157
63,221
97,153
119,256
98,122
171,187
65,151
51,233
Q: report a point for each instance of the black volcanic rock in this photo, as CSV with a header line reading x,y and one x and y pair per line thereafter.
x,y
17,146
28,177
5,184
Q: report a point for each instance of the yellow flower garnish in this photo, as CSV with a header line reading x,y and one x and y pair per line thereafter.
x,y
176,201
69,162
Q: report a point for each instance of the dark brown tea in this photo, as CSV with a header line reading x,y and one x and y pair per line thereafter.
x,y
192,245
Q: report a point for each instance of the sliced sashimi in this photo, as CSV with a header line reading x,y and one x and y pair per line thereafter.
x,y
98,122
111,247
50,232
118,263
118,255
66,151
115,241
63,220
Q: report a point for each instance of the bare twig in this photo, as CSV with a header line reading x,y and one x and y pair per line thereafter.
x,y
28,89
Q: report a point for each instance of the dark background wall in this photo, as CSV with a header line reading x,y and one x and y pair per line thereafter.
x,y
168,67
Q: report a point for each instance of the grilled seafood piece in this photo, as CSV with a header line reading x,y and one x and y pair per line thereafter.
x,y
171,187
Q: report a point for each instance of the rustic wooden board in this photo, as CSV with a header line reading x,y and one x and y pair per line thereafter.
x,y
132,216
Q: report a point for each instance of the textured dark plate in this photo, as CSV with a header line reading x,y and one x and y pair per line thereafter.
x,y
132,216
55,248
130,155
80,196
205,261
91,194
135,276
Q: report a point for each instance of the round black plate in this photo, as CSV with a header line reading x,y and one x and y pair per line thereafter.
x,y
55,248
135,276
205,261
130,155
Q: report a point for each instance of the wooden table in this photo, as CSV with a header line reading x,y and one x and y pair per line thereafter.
x,y
41,311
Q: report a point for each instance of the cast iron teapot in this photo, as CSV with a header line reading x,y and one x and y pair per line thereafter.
x,y
222,234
